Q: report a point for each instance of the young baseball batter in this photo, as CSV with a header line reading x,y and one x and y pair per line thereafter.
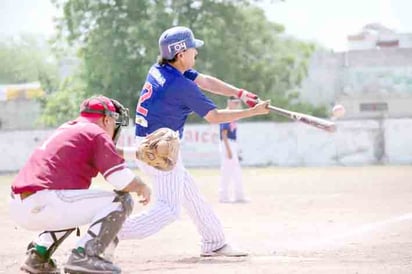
x,y
171,92
51,192
231,174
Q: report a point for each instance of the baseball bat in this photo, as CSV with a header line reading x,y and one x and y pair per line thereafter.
x,y
304,118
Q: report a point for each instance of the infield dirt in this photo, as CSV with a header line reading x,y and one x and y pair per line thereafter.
x,y
299,220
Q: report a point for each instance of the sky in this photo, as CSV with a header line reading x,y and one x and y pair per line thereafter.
x,y
26,16
327,22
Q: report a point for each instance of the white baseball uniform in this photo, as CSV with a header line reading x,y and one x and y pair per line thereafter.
x,y
230,169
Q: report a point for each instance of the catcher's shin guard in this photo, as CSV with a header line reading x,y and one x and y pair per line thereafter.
x,y
109,225
91,260
58,237
111,248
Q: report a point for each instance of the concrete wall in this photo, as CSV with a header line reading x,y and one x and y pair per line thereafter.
x,y
361,142
19,114
16,146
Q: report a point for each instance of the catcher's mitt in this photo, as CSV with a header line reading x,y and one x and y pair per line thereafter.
x,y
160,149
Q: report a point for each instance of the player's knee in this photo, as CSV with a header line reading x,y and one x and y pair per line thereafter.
x,y
172,210
175,213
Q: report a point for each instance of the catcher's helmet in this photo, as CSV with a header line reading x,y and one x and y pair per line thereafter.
x,y
98,106
177,39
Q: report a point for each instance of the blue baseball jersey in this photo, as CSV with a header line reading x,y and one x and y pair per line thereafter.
x,y
231,130
167,98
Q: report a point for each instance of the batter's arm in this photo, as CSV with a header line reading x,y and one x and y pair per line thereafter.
x,y
228,115
215,85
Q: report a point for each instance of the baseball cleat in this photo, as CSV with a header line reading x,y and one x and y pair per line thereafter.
x,y
80,263
37,264
225,251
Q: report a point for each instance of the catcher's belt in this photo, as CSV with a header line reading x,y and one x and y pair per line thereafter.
x,y
23,195
160,149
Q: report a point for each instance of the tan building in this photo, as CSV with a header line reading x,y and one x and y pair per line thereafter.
x,y
372,79
373,36
19,107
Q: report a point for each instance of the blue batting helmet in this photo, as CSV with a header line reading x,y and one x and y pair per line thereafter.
x,y
176,39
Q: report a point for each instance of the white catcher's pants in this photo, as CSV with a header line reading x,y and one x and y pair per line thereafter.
x,y
230,173
171,190
61,209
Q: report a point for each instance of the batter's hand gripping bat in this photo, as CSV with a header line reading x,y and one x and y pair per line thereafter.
x,y
304,118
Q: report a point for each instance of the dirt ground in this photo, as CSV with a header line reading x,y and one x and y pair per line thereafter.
x,y
299,220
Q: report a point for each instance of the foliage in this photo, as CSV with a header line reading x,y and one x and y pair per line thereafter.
x,y
64,105
27,59
117,43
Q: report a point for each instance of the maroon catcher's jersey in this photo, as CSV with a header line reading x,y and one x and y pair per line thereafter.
x,y
75,153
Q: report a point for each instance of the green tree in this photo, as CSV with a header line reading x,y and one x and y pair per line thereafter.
x,y
63,105
117,43
27,59
254,54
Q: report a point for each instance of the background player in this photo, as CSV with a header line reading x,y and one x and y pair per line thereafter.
x,y
231,173
51,192
171,92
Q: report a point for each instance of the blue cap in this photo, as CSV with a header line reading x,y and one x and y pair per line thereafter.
x,y
177,39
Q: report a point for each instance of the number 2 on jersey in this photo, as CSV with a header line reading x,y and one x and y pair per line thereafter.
x,y
146,95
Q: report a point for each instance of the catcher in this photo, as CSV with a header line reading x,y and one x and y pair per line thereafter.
x,y
51,192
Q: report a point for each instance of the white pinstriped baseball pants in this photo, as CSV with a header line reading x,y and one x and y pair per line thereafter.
x,y
171,190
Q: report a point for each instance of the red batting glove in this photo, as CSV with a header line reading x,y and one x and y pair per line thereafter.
x,y
248,97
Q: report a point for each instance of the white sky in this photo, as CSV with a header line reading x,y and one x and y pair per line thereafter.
x,y
330,21
26,16
327,22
